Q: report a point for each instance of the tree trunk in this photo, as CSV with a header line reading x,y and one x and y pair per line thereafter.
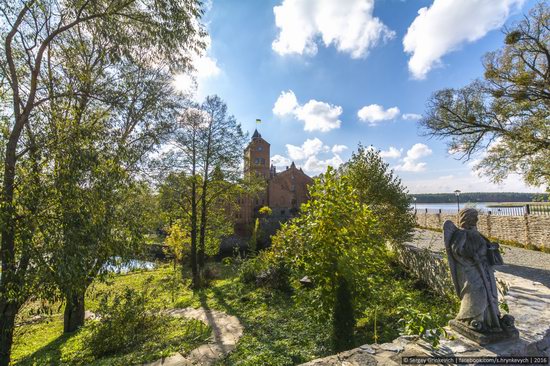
x,y
202,236
73,317
194,268
7,325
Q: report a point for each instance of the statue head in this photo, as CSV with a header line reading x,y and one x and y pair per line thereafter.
x,y
467,218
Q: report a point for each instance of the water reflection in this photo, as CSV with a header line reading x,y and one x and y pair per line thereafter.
x,y
119,266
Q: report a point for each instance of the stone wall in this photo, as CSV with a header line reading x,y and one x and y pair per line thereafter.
x,y
429,267
528,230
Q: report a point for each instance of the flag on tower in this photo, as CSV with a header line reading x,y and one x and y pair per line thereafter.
x,y
258,121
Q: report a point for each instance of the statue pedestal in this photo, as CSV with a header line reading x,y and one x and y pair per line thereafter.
x,y
507,334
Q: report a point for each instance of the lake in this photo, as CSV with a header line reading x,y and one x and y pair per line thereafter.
x,y
452,207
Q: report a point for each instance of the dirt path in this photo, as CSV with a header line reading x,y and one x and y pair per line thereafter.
x,y
226,331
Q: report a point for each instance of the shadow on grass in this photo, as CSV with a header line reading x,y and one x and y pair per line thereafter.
x,y
50,354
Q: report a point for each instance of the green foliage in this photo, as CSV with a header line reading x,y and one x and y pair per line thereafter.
x,y
265,211
178,240
335,235
279,329
128,325
425,325
377,187
343,318
260,271
253,241
505,116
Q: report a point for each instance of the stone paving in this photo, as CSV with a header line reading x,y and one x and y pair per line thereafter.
x,y
529,264
226,331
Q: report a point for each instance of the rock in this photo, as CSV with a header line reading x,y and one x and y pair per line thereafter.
x,y
391,347
367,348
306,282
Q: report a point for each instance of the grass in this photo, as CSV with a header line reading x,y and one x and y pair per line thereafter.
x,y
280,328
44,344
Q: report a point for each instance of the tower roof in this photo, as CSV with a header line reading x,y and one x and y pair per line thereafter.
x,y
256,134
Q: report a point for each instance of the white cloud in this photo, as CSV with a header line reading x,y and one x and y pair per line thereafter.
x,y
315,166
411,116
285,104
391,153
312,155
316,115
410,162
309,148
280,161
338,148
347,24
375,113
319,116
418,151
446,25
205,67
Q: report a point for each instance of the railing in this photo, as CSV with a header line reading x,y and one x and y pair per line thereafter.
x,y
530,209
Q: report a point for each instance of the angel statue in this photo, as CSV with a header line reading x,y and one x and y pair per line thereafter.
x,y
471,260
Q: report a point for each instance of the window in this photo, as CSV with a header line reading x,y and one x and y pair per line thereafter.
x,y
292,187
257,161
262,161
282,212
260,148
293,202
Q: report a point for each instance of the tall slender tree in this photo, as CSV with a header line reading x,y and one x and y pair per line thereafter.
x,y
208,148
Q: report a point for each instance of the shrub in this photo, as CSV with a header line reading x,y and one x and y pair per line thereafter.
x,y
343,318
336,236
262,271
276,276
376,186
130,331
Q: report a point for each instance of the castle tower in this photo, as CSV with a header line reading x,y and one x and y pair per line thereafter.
x,y
284,191
256,156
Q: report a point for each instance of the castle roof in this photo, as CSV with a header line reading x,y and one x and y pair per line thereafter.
x,y
256,134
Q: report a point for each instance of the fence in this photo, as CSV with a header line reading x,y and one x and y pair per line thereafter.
x,y
531,230
530,209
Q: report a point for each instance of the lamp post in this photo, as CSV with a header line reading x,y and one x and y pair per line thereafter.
x,y
414,200
457,194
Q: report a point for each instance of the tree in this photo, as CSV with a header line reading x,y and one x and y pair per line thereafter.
x,y
336,242
34,34
208,148
377,187
223,143
507,114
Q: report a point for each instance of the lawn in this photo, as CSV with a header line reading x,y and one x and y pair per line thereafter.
x,y
281,328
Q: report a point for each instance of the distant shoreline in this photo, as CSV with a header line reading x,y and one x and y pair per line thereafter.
x,y
508,198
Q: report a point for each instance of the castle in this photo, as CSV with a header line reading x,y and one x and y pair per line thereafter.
x,y
284,192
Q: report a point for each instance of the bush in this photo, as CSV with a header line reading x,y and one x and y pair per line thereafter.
x,y
277,277
125,322
343,318
335,235
263,272
376,186
129,330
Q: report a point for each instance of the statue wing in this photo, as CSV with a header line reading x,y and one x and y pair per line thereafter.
x,y
449,228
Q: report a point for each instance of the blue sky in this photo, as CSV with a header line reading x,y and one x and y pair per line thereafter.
x,y
325,75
